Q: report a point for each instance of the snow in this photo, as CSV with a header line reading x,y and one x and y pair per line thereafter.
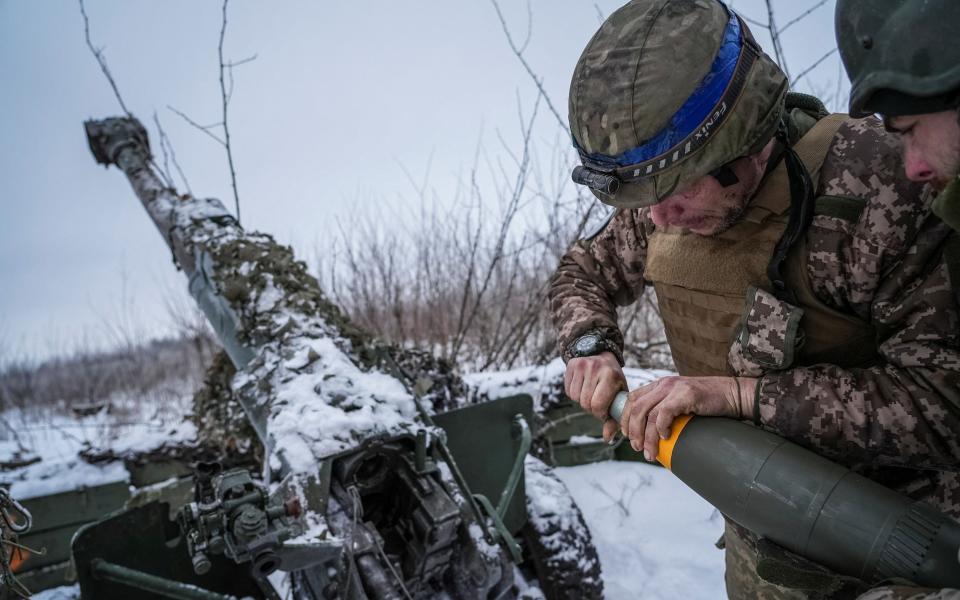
x,y
53,477
654,535
57,440
321,403
542,382
66,592
524,380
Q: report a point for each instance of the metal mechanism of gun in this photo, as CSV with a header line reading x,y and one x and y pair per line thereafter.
x,y
808,504
234,515
390,505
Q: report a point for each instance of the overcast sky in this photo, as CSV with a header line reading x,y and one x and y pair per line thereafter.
x,y
341,94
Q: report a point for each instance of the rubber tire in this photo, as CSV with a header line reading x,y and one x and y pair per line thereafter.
x,y
548,538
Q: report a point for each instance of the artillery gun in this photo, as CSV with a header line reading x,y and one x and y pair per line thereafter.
x,y
376,477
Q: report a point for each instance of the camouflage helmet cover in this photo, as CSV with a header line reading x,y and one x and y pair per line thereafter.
x,y
656,83
901,55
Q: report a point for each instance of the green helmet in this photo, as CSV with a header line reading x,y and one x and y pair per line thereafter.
x,y
902,56
666,92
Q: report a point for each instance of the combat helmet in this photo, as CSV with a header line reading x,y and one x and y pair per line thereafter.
x,y
668,91
901,55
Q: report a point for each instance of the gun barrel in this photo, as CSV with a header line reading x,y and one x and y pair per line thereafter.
x,y
809,504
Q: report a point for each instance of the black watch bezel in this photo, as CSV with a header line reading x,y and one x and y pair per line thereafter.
x,y
592,344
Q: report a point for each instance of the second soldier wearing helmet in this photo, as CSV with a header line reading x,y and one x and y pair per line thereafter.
x,y
799,276
904,64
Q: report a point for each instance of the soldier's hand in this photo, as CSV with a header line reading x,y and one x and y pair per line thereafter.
x,y
651,409
593,382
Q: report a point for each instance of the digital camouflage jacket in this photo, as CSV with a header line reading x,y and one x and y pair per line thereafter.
x,y
898,421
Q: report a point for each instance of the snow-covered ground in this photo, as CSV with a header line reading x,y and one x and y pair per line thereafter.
x,y
57,440
654,535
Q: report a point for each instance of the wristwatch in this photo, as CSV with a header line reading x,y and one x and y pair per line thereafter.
x,y
592,344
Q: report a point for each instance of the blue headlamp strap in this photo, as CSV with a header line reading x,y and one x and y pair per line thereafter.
x,y
695,122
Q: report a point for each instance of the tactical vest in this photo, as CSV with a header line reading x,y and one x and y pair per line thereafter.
x,y
719,311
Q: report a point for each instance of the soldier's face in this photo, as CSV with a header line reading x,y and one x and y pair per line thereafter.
x,y
707,208
931,146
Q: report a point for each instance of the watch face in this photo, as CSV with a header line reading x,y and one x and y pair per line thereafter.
x,y
586,346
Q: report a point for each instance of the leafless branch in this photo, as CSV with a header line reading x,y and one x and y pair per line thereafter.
x,y
754,22
204,128
13,432
101,59
419,188
165,170
600,17
167,147
242,61
523,61
627,493
775,38
839,103
813,66
225,102
230,66
529,36
801,16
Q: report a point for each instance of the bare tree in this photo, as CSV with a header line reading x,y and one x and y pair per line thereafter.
x,y
776,33
471,281
226,94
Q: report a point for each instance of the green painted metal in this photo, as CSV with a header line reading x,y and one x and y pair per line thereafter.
x,y
76,506
161,586
569,455
815,507
144,539
481,442
812,506
157,470
56,518
502,534
526,438
566,421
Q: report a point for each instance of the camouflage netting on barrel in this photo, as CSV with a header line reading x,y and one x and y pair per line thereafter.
x,y
220,418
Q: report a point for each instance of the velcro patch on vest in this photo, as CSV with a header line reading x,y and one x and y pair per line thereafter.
x,y
768,336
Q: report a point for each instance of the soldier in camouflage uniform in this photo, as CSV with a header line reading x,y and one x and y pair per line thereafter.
x,y
904,64
799,274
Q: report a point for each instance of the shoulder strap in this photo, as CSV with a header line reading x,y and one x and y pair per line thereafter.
x,y
812,148
802,164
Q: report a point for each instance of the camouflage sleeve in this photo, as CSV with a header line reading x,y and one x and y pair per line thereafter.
x,y
888,267
595,276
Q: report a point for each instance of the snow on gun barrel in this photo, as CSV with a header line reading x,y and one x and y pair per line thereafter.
x,y
342,429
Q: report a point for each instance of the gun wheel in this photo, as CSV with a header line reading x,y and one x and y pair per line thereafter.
x,y
556,540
